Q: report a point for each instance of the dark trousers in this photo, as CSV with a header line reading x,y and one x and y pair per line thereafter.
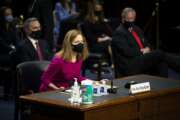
x,y
156,63
6,74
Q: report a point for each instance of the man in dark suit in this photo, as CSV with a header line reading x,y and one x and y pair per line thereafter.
x,y
33,47
132,52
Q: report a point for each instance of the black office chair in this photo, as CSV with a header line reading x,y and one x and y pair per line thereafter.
x,y
28,80
94,57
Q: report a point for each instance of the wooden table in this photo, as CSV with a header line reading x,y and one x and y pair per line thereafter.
x,y
161,103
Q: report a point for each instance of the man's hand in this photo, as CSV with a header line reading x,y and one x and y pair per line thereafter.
x,y
145,50
104,38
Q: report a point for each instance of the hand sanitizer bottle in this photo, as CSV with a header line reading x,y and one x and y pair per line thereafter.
x,y
75,92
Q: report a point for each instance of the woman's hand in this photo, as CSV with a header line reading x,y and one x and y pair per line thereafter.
x,y
61,88
54,87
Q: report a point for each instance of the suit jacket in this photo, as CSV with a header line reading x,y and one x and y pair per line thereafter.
x,y
8,43
7,38
27,52
125,49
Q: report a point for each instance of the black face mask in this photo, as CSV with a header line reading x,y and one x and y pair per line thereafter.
x,y
78,48
128,24
36,34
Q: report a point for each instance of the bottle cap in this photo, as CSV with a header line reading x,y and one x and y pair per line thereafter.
x,y
86,82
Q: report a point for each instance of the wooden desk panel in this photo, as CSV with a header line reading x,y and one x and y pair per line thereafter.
x,y
148,108
169,107
116,112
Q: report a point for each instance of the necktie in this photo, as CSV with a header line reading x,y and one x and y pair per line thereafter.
x,y
38,49
138,41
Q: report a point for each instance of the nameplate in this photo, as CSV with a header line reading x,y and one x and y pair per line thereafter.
x,y
140,87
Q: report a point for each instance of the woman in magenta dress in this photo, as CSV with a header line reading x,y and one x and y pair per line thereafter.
x,y
66,64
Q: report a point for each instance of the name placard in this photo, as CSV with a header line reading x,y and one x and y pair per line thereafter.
x,y
140,87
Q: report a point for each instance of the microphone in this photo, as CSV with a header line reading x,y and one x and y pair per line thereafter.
x,y
112,89
128,84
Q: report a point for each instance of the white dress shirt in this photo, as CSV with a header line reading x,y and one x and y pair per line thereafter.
x,y
33,41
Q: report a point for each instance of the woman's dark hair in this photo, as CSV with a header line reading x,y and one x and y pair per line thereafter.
x,y
2,20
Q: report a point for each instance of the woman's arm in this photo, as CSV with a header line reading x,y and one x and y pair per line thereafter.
x,y
53,69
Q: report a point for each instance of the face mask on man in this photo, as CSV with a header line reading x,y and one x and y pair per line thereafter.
x,y
128,24
78,48
9,18
36,34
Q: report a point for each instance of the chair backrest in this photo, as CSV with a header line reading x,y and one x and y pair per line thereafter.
x,y
28,81
29,76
